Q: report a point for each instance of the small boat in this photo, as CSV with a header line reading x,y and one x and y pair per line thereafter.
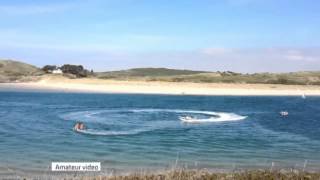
x,y
284,113
303,96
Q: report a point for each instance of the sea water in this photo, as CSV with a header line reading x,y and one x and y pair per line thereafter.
x,y
132,132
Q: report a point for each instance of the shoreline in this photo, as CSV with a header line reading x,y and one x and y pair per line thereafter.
x,y
88,85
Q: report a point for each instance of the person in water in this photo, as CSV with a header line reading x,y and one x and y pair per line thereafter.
x,y
79,126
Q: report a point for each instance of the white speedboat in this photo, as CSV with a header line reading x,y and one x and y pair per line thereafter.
x,y
284,113
186,118
189,119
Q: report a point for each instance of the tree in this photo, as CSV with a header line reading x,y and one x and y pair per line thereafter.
x,y
49,68
77,70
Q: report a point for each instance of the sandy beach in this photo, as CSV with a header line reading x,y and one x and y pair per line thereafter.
x,y
92,85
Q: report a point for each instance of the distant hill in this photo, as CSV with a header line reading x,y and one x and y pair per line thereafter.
x,y
174,75
17,71
294,78
14,71
146,72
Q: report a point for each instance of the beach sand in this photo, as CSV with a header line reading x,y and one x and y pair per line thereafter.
x,y
93,85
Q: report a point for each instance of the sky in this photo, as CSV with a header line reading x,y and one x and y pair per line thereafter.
x,y
214,35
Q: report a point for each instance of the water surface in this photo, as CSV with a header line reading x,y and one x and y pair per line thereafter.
x,y
128,132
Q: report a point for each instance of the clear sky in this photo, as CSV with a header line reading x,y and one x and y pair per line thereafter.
x,y
237,35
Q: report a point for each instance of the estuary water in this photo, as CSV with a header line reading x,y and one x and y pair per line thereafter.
x,y
132,132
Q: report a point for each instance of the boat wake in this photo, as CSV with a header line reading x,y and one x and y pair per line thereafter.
x,y
215,117
108,133
112,122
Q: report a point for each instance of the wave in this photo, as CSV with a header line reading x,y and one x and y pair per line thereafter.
x,y
19,104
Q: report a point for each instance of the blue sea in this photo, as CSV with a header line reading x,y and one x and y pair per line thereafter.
x,y
132,132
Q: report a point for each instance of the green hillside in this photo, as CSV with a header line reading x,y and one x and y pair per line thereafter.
x,y
146,72
295,78
17,71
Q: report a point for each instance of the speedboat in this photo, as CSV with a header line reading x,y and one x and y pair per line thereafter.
x,y
189,119
186,118
284,113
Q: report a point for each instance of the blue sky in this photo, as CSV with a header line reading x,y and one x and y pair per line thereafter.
x,y
238,35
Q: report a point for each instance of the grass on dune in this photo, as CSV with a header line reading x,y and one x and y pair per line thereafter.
x,y
206,175
172,75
